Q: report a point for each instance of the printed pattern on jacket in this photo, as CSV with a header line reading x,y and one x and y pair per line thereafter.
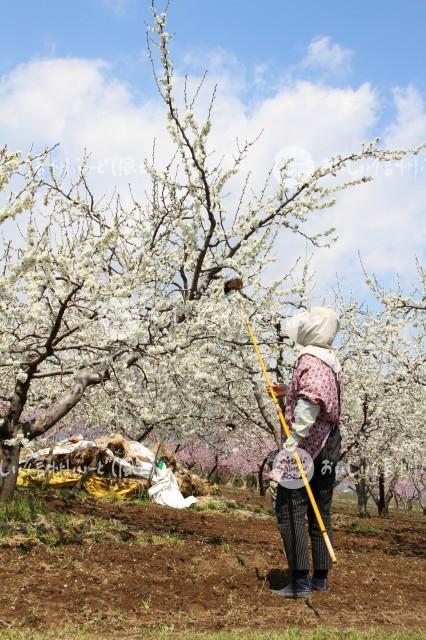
x,y
315,381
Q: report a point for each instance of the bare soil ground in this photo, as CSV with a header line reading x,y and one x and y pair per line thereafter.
x,y
211,570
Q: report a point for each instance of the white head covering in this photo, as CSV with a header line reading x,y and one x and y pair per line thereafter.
x,y
314,332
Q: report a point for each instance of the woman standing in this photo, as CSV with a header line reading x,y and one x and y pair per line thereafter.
x,y
312,413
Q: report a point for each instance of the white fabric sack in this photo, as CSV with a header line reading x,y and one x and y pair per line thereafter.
x,y
165,490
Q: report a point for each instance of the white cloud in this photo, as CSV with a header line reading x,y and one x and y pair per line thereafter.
x,y
78,102
117,6
325,55
220,64
75,102
384,220
409,126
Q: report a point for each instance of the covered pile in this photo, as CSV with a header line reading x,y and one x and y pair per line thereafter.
x,y
112,465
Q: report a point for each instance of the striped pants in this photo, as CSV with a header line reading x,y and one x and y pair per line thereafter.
x,y
292,506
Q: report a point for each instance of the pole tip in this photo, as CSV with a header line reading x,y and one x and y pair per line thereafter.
x,y
235,284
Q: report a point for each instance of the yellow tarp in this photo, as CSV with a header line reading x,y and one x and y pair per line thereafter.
x,y
95,485
36,477
102,487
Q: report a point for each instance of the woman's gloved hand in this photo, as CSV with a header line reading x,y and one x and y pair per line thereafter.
x,y
291,444
280,390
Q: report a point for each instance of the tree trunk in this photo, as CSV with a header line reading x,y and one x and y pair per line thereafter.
x,y
66,402
9,465
361,489
408,504
362,495
212,476
382,504
9,456
262,489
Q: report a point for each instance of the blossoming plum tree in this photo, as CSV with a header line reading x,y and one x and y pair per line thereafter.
x,y
384,404
116,311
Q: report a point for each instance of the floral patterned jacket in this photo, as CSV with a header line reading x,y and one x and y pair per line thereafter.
x,y
315,381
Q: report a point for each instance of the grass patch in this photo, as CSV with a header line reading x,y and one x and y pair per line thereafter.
x,y
165,634
145,538
26,520
297,634
141,498
230,506
361,527
215,506
22,508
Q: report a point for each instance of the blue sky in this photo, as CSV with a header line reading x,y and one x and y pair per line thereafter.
x,y
319,76
386,36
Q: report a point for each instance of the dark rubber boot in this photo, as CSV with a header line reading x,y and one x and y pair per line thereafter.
x,y
319,584
297,588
